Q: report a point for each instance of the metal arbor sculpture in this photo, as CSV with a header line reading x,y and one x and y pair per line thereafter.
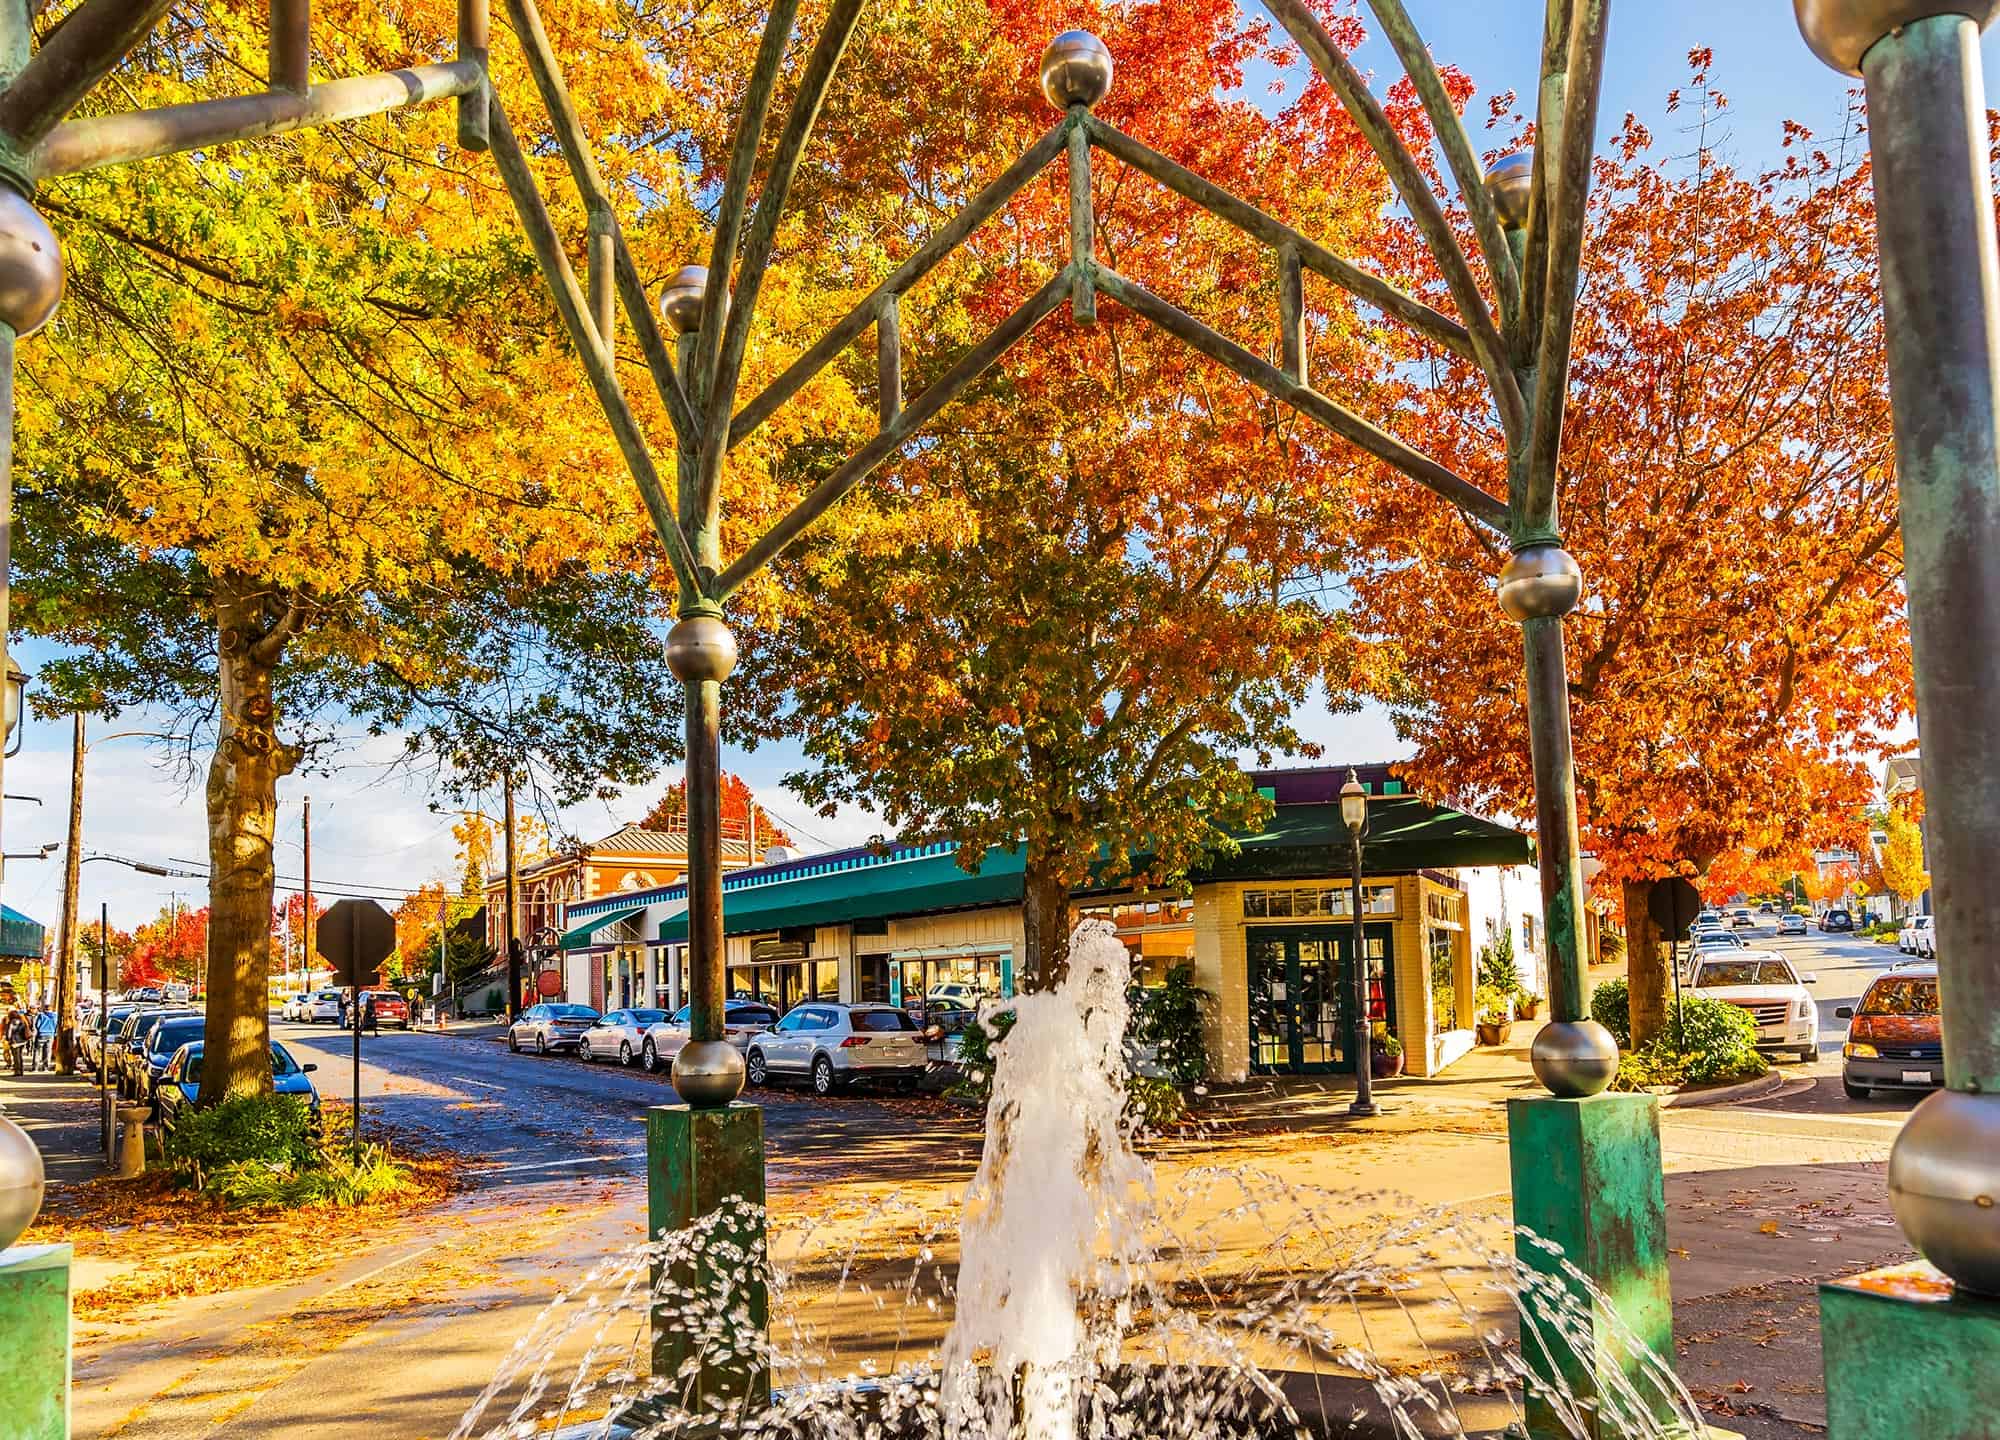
x,y
1528,216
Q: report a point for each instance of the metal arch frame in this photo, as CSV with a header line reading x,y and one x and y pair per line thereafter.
x,y
1522,350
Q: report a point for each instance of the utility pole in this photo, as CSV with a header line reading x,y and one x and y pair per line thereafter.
x,y
66,931
306,951
513,893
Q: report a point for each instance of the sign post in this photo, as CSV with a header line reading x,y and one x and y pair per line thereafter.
x,y
354,937
1673,905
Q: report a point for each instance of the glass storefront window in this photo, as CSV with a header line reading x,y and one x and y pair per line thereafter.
x,y
1159,933
1317,902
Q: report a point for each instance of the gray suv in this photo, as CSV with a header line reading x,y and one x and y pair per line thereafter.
x,y
831,1046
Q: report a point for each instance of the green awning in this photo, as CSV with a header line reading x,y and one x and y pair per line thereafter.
x,y
1404,834
579,937
919,886
20,937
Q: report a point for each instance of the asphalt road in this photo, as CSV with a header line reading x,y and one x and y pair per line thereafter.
x,y
521,1118
1841,967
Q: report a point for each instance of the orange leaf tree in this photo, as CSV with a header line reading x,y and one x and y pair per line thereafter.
x,y
1728,487
1060,621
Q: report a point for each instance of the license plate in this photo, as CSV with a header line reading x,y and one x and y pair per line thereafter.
x,y
1916,1077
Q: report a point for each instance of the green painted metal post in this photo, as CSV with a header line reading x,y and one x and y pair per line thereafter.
x,y
1587,1179
698,1162
1908,1354
34,1338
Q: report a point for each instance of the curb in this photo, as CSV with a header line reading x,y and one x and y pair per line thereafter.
x,y
1727,1094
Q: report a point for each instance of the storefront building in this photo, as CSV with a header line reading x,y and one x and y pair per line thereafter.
x,y
1266,928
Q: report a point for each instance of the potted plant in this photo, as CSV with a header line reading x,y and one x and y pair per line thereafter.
x,y
1527,1004
1385,1060
1493,1015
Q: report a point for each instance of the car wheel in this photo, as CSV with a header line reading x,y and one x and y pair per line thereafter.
x,y
513,1040
822,1076
1808,1054
1853,1091
583,1052
757,1073
625,1053
649,1057
541,1042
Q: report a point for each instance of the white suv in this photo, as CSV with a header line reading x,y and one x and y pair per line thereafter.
x,y
1763,983
1916,937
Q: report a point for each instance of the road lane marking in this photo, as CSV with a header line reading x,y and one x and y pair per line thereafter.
x,y
564,1164
468,1080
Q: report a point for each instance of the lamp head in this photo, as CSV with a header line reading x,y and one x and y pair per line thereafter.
x,y
1354,803
1076,70
1509,182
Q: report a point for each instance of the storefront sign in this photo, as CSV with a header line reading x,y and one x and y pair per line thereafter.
x,y
763,950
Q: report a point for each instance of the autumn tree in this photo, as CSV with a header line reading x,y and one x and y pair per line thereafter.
x,y
1058,623
1902,860
302,445
739,808
1728,487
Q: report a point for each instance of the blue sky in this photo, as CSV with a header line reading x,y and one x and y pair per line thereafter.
x,y
371,826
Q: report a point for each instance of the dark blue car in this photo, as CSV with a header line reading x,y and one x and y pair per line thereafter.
x,y
182,1079
159,1046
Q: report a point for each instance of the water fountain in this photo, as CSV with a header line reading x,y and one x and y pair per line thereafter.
x,y
1068,1306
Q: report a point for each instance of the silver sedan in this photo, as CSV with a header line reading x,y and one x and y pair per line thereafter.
x,y
740,1020
620,1035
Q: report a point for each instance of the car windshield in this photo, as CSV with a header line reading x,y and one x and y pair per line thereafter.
x,y
881,1020
1901,995
170,1035
1746,972
572,1012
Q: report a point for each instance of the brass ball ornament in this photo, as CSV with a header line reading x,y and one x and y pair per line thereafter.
x,y
1840,32
1944,1185
1076,70
1574,1058
708,1074
1540,582
701,647
680,301
1509,181
31,265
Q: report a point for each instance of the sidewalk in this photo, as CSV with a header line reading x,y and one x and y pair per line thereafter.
x,y
60,1112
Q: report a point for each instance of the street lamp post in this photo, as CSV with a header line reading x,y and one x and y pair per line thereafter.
x,y
1927,126
1354,812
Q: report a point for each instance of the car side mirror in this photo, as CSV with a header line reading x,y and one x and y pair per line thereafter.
x,y
308,1068
1844,1012
1809,978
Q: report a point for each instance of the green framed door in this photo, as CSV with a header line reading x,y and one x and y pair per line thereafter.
x,y
1300,981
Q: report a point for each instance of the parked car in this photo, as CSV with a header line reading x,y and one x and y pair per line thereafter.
x,y
147,995
1767,908
1740,917
1791,924
181,1079
1916,936
128,1045
740,1021
1836,919
327,1005
620,1035
1763,983
165,1039
390,1008
92,1041
296,1007
1894,1041
1710,917
177,994
832,1046
550,1026
954,995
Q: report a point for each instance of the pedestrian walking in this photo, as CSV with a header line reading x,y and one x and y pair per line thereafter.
x,y
45,1039
16,1034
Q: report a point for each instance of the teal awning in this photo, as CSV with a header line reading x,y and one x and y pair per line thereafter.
x,y
20,937
580,936
919,886
1404,834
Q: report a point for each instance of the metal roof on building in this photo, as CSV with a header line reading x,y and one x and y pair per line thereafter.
x,y
1405,835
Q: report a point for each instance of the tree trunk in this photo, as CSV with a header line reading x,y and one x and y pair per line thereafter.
x,y
242,822
66,946
1646,979
1045,921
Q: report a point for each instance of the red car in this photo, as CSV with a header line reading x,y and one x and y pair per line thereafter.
x,y
390,1008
